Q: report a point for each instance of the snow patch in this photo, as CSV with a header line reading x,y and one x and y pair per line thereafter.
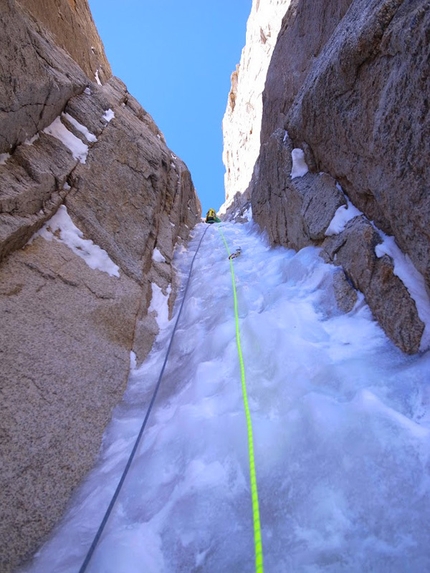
x,y
108,115
157,256
159,304
88,91
343,215
247,214
90,137
411,278
133,360
299,167
96,76
58,130
62,229
4,157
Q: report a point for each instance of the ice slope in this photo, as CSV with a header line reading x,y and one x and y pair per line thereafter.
x,y
341,427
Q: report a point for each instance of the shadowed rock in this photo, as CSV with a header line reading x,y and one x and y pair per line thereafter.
x,y
387,296
295,212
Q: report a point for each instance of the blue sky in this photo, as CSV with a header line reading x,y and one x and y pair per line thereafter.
x,y
176,58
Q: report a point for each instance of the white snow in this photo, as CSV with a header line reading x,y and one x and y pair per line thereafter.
x,y
247,214
299,167
96,77
341,423
61,228
74,144
411,278
159,304
157,256
4,157
403,266
90,137
133,360
87,91
343,215
108,115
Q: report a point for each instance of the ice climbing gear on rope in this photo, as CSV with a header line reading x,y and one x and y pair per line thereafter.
x,y
136,444
236,253
252,474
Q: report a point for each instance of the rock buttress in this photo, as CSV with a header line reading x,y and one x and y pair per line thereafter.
x,y
67,330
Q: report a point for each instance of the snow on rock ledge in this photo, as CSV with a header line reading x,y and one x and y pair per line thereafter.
x,y
313,210
68,330
61,228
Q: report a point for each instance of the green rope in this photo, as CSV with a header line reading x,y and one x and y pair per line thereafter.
x,y
253,478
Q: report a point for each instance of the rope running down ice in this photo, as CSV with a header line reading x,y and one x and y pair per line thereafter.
x,y
258,545
136,444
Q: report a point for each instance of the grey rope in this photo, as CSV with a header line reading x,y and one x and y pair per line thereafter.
x,y
136,444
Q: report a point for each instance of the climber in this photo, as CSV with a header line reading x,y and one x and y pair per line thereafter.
x,y
211,217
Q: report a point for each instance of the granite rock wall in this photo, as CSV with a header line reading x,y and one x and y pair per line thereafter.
x,y
349,87
91,155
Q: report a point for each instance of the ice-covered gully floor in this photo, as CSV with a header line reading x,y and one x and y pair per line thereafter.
x,y
341,427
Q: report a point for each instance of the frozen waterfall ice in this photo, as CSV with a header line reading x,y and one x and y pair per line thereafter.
x,y
341,428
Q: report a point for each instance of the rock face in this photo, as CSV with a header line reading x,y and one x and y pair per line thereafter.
x,y
71,24
74,300
305,30
36,80
312,200
348,84
242,119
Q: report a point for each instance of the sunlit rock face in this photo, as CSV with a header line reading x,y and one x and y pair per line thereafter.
x,y
242,119
71,24
74,297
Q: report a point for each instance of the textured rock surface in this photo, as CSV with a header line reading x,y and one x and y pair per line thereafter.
x,y
67,330
242,119
71,24
350,86
387,296
295,212
375,76
37,78
65,340
305,29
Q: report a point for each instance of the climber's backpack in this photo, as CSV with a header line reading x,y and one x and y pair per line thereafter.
x,y
211,216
